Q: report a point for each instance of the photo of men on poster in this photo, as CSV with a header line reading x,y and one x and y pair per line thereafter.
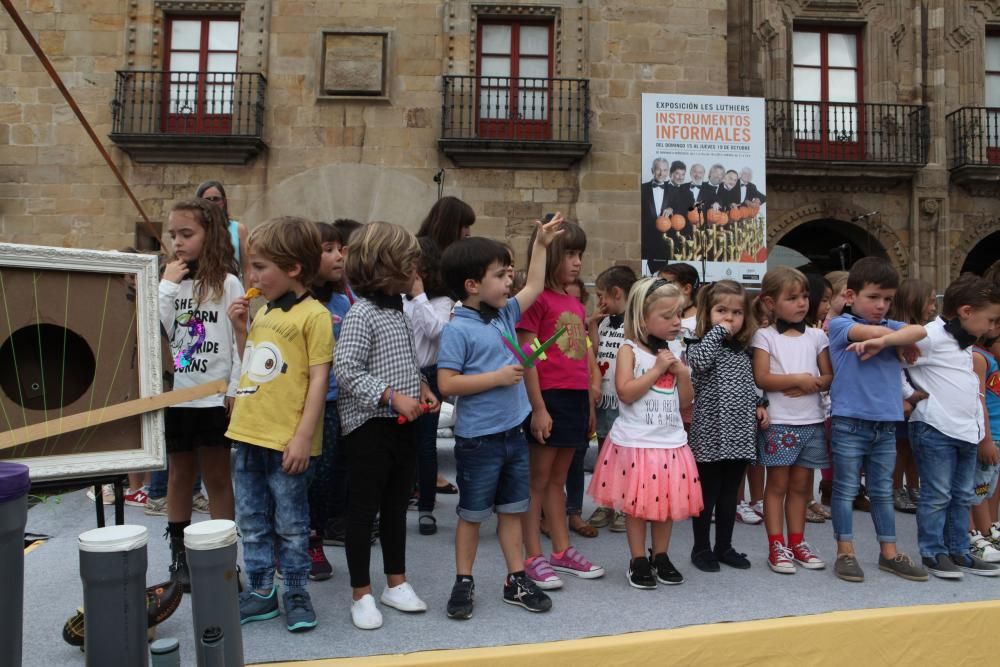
x,y
704,196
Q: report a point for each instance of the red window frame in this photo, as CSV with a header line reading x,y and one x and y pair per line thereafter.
x,y
992,129
514,126
827,146
203,120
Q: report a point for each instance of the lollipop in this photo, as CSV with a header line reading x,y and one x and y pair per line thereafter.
x,y
252,293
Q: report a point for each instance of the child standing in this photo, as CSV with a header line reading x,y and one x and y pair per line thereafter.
x,y
948,428
277,423
792,365
428,308
645,467
613,285
984,508
476,363
196,290
866,405
379,380
562,417
726,416
326,488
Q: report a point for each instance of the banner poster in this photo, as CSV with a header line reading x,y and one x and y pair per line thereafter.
x,y
703,185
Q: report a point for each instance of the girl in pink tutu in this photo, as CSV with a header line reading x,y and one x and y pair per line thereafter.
x,y
645,468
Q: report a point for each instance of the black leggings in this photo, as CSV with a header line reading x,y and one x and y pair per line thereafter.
x,y
720,486
381,460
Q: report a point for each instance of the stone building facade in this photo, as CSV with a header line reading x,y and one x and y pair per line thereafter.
x,y
362,109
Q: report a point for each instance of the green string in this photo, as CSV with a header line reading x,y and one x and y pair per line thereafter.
x,y
62,375
13,353
41,356
97,360
114,376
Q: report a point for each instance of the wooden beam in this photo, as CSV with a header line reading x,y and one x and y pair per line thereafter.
x,y
82,420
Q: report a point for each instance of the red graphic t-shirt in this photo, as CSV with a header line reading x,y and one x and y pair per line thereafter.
x,y
566,365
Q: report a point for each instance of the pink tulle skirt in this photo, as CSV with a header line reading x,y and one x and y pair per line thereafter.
x,y
650,484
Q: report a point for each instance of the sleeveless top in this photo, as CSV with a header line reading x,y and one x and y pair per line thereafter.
x,y
609,339
992,389
654,420
234,235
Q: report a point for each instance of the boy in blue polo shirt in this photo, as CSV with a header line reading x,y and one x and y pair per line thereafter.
x,y
866,395
476,364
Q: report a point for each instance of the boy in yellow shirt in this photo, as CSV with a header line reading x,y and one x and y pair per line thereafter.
x,y
276,425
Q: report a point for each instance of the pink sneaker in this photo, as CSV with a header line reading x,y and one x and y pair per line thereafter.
x,y
575,563
540,571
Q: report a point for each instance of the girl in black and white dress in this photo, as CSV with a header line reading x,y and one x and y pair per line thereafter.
x,y
726,415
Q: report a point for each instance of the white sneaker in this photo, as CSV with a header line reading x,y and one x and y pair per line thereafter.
x,y
994,535
745,514
403,598
982,548
107,494
199,503
364,614
758,509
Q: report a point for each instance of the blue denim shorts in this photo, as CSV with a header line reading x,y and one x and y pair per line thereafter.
x,y
493,473
801,445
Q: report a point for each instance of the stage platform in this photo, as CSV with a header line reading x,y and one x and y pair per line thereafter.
x,y
789,616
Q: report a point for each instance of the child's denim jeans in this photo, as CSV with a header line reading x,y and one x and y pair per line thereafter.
x,y
272,510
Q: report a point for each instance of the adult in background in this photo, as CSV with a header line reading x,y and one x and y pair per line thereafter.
x,y
654,204
214,192
449,220
749,191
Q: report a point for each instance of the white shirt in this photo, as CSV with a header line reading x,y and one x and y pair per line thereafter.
x,y
609,339
696,189
654,420
658,198
790,355
743,191
217,358
944,371
427,317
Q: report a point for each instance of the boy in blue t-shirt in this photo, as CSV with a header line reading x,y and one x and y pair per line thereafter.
x,y
866,390
475,363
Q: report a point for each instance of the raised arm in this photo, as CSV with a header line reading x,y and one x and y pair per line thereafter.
x,y
536,270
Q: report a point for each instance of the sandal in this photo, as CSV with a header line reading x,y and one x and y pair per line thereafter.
x,y
812,516
819,508
447,489
428,524
583,529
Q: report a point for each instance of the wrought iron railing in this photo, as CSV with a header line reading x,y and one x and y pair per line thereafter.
x,y
847,132
522,109
974,136
189,103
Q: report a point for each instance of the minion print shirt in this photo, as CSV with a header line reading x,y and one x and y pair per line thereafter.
x,y
281,346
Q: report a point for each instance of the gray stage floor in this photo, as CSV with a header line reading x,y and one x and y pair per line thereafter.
x,y
581,609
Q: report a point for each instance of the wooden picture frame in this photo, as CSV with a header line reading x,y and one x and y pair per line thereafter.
x,y
87,320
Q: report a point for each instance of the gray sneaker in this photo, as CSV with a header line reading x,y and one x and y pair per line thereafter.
x,y
299,614
942,567
618,524
847,568
902,566
902,502
972,565
156,506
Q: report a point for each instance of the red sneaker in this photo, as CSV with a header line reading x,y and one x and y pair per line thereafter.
x,y
779,559
806,557
321,568
135,498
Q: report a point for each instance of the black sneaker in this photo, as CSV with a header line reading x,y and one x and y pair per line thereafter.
x,y
334,533
460,602
640,574
734,558
520,590
942,567
972,565
706,561
665,571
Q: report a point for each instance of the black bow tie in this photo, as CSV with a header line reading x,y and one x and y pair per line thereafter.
x,y
782,326
390,301
487,312
662,186
656,344
286,301
961,336
616,321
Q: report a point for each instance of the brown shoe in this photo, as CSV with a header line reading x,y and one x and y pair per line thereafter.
x,y
861,502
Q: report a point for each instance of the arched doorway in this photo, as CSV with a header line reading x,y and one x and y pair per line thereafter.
x,y
983,255
825,245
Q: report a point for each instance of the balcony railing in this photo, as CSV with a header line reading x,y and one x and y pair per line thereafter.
x,y
892,134
541,119
974,137
209,116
